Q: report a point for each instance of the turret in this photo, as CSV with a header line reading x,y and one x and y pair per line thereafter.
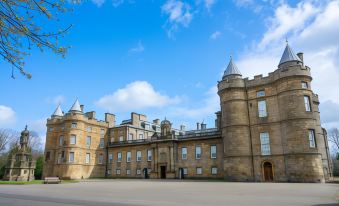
x,y
235,125
58,112
76,107
289,58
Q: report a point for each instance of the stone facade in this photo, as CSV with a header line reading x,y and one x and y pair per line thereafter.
x,y
268,129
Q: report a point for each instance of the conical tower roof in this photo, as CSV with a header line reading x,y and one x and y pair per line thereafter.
x,y
231,69
76,106
289,55
58,112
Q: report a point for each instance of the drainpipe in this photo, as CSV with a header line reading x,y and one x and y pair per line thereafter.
x,y
249,122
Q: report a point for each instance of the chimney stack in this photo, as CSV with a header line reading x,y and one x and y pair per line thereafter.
x,y
301,57
82,107
182,128
203,126
198,126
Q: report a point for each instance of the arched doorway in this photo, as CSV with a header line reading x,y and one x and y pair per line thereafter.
x,y
268,172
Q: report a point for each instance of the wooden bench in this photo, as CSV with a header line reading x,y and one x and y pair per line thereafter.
x,y
52,180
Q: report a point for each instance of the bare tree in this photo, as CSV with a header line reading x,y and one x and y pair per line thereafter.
x,y
23,25
6,137
333,136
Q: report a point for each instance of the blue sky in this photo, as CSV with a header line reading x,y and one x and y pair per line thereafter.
x,y
163,58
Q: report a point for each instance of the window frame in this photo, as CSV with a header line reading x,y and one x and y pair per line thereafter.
x,y
88,141
265,145
307,103
213,146
182,153
311,138
73,136
88,158
110,158
128,156
71,154
216,170
102,143
262,109
101,159
139,156
119,157
149,155
196,152
261,93
198,169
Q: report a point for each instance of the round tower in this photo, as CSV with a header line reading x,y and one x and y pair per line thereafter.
x,y
301,132
235,125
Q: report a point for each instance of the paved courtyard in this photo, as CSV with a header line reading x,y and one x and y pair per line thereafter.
x,y
156,192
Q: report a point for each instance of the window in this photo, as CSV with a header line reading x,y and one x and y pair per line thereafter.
x,y
147,126
110,158
213,151
214,170
149,155
138,171
119,156
128,156
102,131
185,171
89,129
73,139
108,171
197,152
265,143
61,140
118,172
48,155
199,170
304,85
130,137
138,156
101,159
88,140
102,142
112,139
262,108
128,171
88,158
141,136
74,125
311,138
71,157
261,93
184,153
51,129
121,138
307,103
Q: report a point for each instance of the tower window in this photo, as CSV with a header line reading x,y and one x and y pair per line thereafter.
x,y
88,157
74,125
262,108
307,103
61,140
265,143
304,85
261,93
88,140
311,138
71,157
73,139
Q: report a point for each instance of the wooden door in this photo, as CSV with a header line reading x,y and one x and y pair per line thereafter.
x,y
268,172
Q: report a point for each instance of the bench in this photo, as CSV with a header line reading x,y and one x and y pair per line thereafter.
x,y
52,180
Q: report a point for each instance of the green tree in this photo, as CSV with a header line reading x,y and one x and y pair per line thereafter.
x,y
23,25
39,167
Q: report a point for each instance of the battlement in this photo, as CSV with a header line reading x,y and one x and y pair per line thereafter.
x,y
69,117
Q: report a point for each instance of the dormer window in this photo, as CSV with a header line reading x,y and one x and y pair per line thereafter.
x,y
261,93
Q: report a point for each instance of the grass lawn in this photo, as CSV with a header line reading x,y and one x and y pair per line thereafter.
x,y
34,182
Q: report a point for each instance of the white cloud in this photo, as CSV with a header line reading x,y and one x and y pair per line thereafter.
x,y
138,49
251,4
7,115
215,35
59,99
117,3
98,3
179,14
311,26
209,3
135,96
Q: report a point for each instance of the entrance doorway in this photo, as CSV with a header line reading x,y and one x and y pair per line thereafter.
x,y
145,173
268,171
163,172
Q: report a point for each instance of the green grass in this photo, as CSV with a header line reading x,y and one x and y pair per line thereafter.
x,y
34,182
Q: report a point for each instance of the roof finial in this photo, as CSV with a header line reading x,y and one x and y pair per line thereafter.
x,y
26,127
286,41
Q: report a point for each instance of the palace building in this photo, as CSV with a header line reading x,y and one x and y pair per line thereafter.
x,y
268,129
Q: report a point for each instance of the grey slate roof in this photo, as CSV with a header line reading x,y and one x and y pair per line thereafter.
x,y
231,69
289,55
76,106
58,112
